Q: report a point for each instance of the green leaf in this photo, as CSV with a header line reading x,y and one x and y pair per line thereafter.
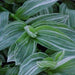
x,y
57,74
47,10
11,33
48,59
59,56
11,53
62,27
70,12
46,64
66,66
31,7
67,53
54,39
3,70
12,71
29,65
3,22
49,17
25,46
49,23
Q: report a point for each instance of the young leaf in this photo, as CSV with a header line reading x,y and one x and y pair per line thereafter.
x,y
66,66
46,64
31,7
29,65
59,56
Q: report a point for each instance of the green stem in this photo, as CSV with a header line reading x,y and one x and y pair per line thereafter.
x,y
11,14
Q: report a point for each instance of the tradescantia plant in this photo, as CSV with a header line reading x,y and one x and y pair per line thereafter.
x,y
34,23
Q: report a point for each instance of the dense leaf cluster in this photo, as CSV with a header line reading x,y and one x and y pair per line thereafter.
x,y
37,37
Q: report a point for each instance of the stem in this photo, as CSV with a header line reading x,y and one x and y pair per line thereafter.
x,y
11,14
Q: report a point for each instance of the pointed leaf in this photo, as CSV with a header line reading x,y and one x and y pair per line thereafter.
x,y
62,27
54,39
25,46
49,17
11,33
46,64
29,66
59,56
66,66
31,7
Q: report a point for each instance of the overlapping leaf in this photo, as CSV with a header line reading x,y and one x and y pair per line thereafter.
x,y
24,47
31,7
66,66
54,39
62,27
29,66
49,17
47,35
11,33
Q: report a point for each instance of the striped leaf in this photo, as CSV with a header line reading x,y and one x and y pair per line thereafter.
x,y
66,66
67,53
11,53
12,71
11,33
31,7
3,23
25,46
62,27
49,17
54,39
59,56
29,66
70,12
46,64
